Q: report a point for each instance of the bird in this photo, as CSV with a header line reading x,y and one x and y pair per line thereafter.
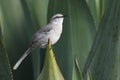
x,y
51,31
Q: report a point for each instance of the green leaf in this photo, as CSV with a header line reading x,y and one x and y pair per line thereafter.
x,y
17,32
89,77
78,33
104,58
77,75
97,8
50,70
5,69
38,12
93,9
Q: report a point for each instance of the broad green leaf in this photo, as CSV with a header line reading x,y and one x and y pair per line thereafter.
x,y
76,75
104,58
97,9
78,33
93,9
5,70
38,11
50,69
17,32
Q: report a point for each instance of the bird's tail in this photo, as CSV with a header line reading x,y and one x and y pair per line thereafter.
x,y
27,52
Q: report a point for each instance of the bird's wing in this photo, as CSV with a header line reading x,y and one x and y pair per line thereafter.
x,y
45,29
40,33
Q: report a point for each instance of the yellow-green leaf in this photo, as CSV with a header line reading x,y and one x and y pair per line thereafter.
x,y
50,69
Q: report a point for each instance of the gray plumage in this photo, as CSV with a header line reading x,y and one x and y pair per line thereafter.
x,y
51,31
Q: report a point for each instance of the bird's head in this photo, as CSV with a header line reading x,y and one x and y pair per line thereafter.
x,y
57,19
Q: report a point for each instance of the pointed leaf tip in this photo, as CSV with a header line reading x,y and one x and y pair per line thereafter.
x,y
89,76
50,69
77,75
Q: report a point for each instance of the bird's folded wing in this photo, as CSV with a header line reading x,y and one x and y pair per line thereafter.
x,y
43,30
41,33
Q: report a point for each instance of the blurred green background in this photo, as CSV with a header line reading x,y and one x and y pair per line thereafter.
x,y
91,33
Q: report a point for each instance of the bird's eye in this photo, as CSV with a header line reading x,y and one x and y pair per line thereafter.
x,y
58,17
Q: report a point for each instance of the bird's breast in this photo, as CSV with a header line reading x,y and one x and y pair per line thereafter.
x,y
55,35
